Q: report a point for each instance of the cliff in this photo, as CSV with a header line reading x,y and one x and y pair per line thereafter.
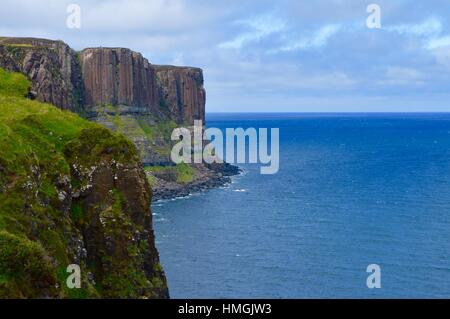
x,y
71,192
51,66
118,77
121,90
82,81
182,92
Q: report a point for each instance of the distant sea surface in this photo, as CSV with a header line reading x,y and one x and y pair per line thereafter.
x,y
352,190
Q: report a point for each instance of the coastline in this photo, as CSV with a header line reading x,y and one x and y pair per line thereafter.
x,y
206,177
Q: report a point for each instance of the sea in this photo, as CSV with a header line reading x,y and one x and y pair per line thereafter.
x,y
352,190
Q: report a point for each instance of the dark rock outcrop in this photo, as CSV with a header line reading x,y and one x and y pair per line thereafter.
x,y
117,88
71,193
165,185
82,81
51,66
182,92
117,76
116,224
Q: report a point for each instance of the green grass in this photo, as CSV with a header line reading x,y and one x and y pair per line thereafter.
x,y
148,130
32,131
157,132
13,84
22,262
183,172
76,212
162,129
33,136
18,45
39,145
151,180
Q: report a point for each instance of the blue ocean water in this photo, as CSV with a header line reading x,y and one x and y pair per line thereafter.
x,y
352,190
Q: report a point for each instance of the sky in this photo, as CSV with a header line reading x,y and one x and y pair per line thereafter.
x,y
270,56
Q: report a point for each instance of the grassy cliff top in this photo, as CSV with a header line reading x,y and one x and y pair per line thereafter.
x,y
33,129
39,144
28,42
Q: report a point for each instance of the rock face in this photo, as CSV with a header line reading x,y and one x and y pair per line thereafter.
x,y
71,193
51,66
116,222
95,77
118,77
121,77
119,89
182,92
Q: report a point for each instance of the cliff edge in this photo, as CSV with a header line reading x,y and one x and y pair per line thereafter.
x,y
121,90
71,193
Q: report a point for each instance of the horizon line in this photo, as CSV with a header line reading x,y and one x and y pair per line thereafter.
x,y
333,112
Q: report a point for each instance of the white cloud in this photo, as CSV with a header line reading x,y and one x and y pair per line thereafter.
x,y
269,79
137,14
402,76
261,27
436,43
337,80
442,55
317,40
429,27
231,40
178,59
430,31
112,15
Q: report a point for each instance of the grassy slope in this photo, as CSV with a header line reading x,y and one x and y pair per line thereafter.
x,y
156,132
183,173
33,140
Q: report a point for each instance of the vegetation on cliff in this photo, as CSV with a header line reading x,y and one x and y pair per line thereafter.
x,y
150,134
121,90
71,192
181,173
52,67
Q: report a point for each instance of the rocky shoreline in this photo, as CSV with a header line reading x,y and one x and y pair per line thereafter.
x,y
206,177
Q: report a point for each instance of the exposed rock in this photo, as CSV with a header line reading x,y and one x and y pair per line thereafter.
x,y
51,66
71,192
117,223
165,185
96,77
182,92
117,76
117,88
